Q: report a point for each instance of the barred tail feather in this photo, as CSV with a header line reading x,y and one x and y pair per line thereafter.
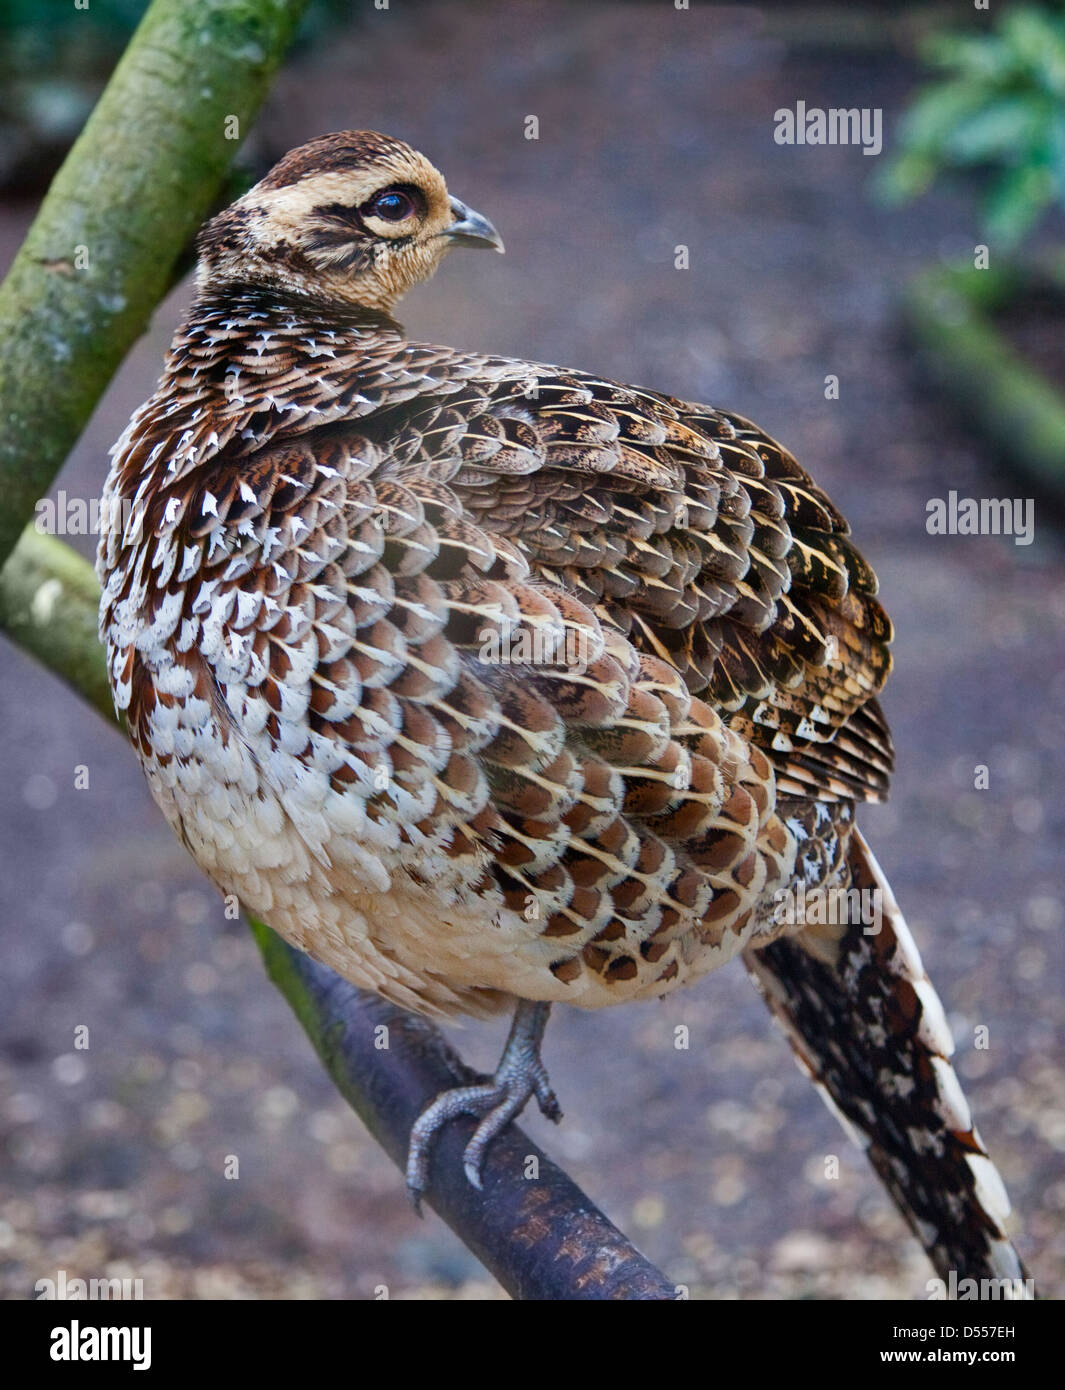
x,y
869,1029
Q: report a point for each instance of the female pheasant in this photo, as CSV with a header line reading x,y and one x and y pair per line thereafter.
x,y
492,683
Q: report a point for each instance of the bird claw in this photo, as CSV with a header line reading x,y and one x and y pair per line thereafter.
x,y
520,1076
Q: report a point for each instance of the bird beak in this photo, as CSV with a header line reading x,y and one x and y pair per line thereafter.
x,y
471,229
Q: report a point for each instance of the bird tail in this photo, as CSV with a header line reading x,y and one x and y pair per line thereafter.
x,y
869,1029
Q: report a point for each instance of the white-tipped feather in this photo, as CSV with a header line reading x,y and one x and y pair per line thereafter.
x,y
990,1188
934,1029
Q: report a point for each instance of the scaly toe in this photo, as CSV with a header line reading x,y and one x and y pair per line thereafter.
x,y
464,1100
510,1101
546,1098
519,1076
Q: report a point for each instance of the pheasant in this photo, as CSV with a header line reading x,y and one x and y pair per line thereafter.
x,y
496,684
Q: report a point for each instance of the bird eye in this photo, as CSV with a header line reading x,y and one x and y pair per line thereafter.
x,y
393,205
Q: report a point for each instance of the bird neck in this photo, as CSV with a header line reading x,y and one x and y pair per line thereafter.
x,y
248,365
246,309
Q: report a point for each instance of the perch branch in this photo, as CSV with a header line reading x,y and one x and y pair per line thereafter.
x,y
540,1236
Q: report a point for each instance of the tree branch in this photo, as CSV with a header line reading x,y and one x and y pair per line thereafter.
x,y
128,198
534,1230
48,604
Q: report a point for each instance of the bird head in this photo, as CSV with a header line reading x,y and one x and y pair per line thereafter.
x,y
354,218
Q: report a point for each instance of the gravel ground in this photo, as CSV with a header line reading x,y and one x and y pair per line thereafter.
x,y
655,130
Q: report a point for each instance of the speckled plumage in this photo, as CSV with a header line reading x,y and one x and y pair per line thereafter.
x,y
481,679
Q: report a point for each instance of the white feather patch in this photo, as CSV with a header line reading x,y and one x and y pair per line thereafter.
x,y
990,1189
951,1105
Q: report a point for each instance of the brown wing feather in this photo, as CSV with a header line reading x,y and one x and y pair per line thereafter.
x,y
698,537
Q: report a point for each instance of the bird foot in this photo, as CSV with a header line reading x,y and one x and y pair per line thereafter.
x,y
520,1076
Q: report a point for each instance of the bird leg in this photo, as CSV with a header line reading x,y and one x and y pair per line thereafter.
x,y
520,1075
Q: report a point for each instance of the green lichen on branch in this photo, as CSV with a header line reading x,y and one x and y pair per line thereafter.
x,y
48,604
130,195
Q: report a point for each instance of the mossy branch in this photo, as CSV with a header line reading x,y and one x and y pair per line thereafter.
x,y
128,198
48,604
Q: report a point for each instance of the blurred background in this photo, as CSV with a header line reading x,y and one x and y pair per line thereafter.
x,y
656,129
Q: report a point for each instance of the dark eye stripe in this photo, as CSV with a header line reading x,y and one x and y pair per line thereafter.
x,y
339,223
340,215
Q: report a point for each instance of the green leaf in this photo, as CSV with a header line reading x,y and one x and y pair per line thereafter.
x,y
1037,40
1000,111
936,113
1015,202
983,59
1007,129
906,176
